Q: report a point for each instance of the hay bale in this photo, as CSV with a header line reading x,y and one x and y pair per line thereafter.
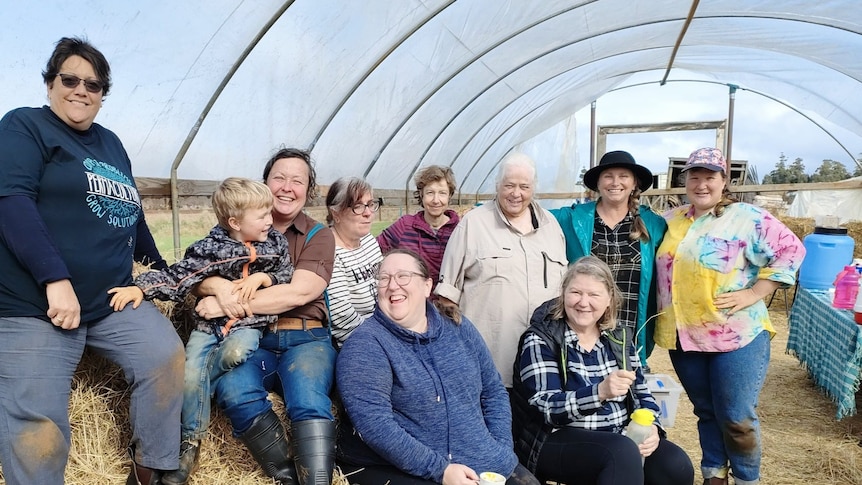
x,y
99,417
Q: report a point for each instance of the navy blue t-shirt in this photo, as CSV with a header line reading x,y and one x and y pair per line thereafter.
x,y
82,184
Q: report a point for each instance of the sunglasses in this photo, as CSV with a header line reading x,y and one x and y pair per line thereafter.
x,y
72,81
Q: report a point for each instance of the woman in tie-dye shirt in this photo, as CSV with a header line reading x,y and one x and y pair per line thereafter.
x,y
718,260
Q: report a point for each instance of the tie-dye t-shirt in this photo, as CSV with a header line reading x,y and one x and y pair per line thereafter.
x,y
702,258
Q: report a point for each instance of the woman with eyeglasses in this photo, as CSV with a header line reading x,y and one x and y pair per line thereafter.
x,y
71,225
422,392
352,291
428,230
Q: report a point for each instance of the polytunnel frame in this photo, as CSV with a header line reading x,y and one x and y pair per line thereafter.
x,y
175,196
732,87
280,12
443,83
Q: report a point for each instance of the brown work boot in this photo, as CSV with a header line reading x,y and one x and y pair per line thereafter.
x,y
141,475
715,481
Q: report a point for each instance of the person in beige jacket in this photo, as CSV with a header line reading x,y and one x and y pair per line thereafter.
x,y
504,259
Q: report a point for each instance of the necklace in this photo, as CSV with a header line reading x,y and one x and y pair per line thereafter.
x,y
344,243
439,222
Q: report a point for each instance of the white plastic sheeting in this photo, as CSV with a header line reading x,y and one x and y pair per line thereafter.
x,y
845,204
378,88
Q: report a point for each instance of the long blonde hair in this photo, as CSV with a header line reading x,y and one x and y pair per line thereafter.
x,y
598,269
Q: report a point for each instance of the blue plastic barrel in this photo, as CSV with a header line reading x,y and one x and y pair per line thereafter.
x,y
827,251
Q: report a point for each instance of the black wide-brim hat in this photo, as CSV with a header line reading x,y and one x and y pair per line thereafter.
x,y
618,159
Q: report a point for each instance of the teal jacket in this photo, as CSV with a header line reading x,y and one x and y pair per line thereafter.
x,y
577,223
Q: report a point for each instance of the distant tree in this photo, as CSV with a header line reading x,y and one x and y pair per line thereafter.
x,y
858,171
782,174
830,171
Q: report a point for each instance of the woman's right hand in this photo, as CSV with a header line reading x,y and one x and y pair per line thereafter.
x,y
64,310
616,384
229,302
458,474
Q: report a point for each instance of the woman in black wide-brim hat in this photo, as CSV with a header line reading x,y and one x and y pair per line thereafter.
x,y
623,234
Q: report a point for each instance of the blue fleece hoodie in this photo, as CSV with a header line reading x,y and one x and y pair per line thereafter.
x,y
423,401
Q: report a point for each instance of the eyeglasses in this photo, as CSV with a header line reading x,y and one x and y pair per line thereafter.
x,y
402,278
359,208
72,81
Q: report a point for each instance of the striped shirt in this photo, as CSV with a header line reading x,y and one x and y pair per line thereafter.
x,y
353,288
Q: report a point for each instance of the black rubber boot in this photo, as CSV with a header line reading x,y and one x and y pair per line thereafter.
x,y
314,450
190,452
141,475
267,442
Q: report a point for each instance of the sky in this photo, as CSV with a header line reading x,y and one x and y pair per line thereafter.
x,y
763,129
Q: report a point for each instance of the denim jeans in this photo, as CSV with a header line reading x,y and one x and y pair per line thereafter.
x,y
298,364
207,359
724,388
37,362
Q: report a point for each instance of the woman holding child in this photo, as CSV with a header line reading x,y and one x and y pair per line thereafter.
x,y
295,357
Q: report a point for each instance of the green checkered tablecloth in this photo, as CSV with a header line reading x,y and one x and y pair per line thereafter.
x,y
828,342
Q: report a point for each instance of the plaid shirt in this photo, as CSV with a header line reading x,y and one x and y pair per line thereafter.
x,y
577,404
623,256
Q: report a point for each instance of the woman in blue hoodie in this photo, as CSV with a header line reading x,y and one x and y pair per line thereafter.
x,y
425,399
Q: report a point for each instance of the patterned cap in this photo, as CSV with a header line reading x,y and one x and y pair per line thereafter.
x,y
708,158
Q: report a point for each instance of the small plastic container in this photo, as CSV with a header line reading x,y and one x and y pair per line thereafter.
x,y
666,392
640,427
857,307
846,288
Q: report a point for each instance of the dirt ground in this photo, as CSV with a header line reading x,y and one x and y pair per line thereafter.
x,y
802,441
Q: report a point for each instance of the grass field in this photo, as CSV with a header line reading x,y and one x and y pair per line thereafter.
x,y
194,226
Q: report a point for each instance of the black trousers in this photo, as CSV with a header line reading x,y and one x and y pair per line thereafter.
x,y
583,457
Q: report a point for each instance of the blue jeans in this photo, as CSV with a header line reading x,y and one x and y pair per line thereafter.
x,y
724,388
298,364
37,362
207,359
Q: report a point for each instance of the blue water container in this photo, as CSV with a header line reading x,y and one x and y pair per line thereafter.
x,y
827,251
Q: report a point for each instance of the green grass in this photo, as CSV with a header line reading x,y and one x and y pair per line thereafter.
x,y
194,226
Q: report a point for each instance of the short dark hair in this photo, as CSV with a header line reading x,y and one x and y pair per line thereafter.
x,y
301,154
74,46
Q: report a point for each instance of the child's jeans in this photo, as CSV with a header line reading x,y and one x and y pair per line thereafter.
x,y
207,359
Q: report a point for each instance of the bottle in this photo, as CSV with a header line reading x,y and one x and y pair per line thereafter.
x,y
846,288
857,308
640,427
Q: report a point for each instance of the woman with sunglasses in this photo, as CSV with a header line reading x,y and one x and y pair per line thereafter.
x,y
420,415
71,224
352,291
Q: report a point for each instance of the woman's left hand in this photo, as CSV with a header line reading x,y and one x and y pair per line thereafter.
x,y
64,310
650,444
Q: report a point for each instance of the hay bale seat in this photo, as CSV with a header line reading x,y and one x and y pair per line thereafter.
x,y
99,416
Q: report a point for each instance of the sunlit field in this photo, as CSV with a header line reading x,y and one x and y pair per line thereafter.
x,y
193,226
